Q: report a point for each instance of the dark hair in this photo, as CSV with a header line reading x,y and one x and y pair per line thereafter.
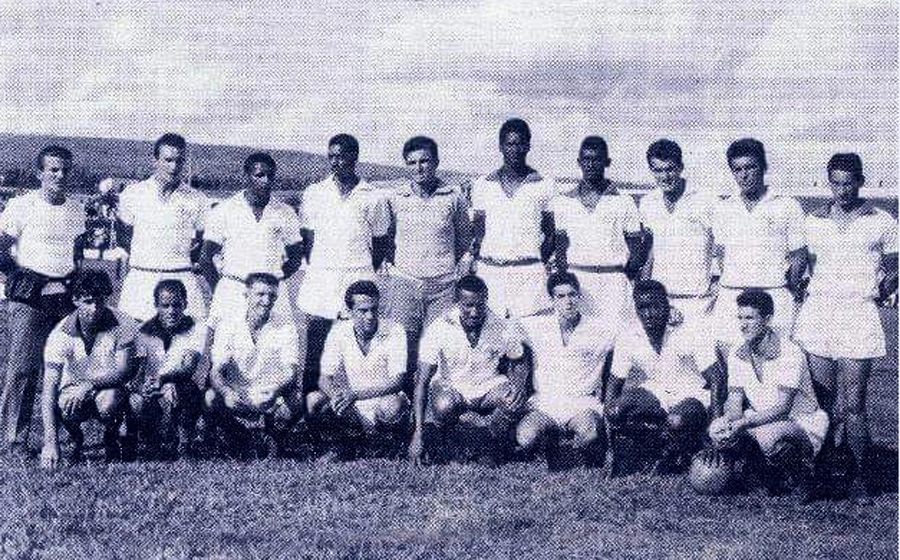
x,y
171,285
91,283
747,147
651,287
169,139
757,299
471,283
52,151
518,126
594,143
360,288
263,277
260,157
562,279
850,162
666,150
420,143
347,142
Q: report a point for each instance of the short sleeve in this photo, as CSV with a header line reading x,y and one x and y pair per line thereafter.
x,y
631,218
11,222
378,213
198,338
888,236
514,340
291,224
796,225
546,195
621,363
201,208
737,370
475,196
304,213
126,205
791,375
290,342
221,347
214,229
717,221
397,352
331,354
54,349
127,335
430,346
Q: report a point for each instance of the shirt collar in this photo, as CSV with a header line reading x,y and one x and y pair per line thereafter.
x,y
154,327
406,189
105,322
360,186
831,211
532,177
610,190
769,348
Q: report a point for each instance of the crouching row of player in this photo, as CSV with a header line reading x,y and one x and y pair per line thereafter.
x,y
529,384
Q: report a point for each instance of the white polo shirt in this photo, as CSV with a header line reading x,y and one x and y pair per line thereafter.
x,y
848,249
264,365
757,241
596,237
45,233
466,367
512,223
344,226
677,367
249,245
384,364
571,369
161,352
66,347
164,226
682,240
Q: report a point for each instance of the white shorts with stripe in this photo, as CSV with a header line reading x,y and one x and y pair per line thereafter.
x,y
835,327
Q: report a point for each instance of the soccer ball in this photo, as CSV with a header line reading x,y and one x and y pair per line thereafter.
x,y
710,473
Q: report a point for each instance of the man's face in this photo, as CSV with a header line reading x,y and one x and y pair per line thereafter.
x,y
653,310
170,308
422,166
342,160
472,309
748,173
365,314
566,301
54,174
514,148
844,186
752,322
261,298
169,164
666,173
592,163
88,309
260,179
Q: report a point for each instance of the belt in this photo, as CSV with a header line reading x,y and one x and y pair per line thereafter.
x,y
148,269
753,287
242,280
509,262
598,269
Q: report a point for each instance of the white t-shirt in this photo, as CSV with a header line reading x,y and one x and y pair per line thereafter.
x,y
512,224
249,245
164,226
596,237
344,226
848,249
757,241
189,337
262,366
682,240
45,233
384,364
573,369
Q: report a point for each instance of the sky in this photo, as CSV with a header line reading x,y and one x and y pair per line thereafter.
x,y
808,77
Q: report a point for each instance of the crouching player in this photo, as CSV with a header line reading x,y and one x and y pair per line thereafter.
x,y
165,404
660,376
254,380
482,369
87,361
771,406
363,366
569,351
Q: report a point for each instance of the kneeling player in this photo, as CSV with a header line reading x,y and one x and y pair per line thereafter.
x,y
363,365
482,369
659,377
569,352
769,374
255,366
166,404
87,361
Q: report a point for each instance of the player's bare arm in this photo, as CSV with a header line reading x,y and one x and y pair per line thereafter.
x,y
888,284
294,259
797,263
50,452
207,268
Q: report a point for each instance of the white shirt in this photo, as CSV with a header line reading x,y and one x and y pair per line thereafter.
x,y
249,245
164,226
45,233
848,249
188,338
384,364
262,366
596,237
679,365
571,369
344,226
512,223
682,240
757,241
446,345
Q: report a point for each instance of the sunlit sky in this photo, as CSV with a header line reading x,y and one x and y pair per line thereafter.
x,y
806,77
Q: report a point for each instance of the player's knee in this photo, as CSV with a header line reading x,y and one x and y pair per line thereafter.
x,y
445,406
136,403
211,400
587,427
316,403
529,433
394,409
109,402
